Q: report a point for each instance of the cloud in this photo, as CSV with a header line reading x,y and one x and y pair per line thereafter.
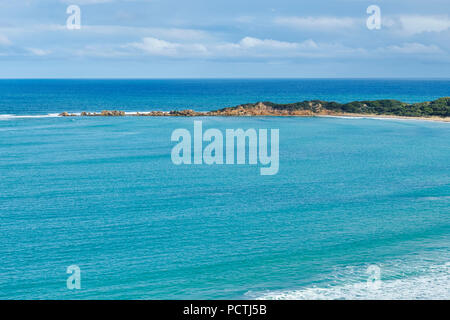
x,y
158,47
406,25
249,42
100,51
256,48
18,51
4,41
38,52
410,25
267,48
418,24
248,47
412,48
318,23
170,33
184,34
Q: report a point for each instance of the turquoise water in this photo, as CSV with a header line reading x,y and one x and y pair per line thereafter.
x,y
102,193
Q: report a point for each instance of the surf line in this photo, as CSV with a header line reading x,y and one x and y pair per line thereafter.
x,y
235,140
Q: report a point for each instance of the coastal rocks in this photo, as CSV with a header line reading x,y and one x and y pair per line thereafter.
x,y
151,114
315,106
104,113
185,113
66,114
261,109
173,113
258,109
114,113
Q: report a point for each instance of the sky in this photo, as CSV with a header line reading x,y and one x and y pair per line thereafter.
x,y
225,39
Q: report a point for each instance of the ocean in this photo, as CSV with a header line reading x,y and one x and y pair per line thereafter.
x,y
41,97
352,195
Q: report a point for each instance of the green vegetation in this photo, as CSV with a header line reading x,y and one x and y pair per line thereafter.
x,y
438,108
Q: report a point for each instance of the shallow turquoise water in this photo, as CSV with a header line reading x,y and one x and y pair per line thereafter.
x,y
102,193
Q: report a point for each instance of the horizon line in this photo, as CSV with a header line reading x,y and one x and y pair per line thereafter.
x,y
228,78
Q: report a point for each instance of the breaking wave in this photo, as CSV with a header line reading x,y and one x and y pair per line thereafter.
x,y
433,285
13,116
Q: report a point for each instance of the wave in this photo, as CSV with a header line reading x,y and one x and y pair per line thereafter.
x,y
435,284
436,198
392,118
130,113
13,116
52,115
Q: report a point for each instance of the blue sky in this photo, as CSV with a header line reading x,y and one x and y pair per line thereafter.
x,y
222,39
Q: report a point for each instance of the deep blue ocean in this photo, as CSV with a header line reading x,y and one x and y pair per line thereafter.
x,y
32,97
103,194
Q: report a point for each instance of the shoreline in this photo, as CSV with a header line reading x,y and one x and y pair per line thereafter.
x,y
385,117
207,114
437,110
204,114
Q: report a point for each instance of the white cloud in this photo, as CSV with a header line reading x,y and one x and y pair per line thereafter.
x,y
154,46
184,34
246,47
410,25
412,48
38,52
405,25
250,47
249,42
4,41
102,51
318,23
416,24
167,33
266,48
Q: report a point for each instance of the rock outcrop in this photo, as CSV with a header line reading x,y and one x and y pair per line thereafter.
x,y
66,114
185,113
438,108
114,113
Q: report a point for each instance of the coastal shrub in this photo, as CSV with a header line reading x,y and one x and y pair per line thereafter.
x,y
439,107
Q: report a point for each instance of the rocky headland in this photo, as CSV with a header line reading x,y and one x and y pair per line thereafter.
x,y
433,110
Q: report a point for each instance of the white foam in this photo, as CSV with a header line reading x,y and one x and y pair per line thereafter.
x,y
436,198
435,284
54,115
393,118
13,116
133,113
